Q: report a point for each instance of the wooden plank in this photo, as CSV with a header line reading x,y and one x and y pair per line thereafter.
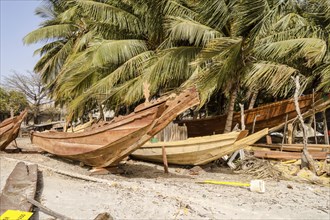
x,y
281,155
293,146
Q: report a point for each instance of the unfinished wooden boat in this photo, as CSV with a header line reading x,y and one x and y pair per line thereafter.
x,y
198,150
107,145
265,116
9,129
20,185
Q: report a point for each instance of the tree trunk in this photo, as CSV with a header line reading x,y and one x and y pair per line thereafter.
x,y
253,99
11,112
35,115
229,120
101,117
306,157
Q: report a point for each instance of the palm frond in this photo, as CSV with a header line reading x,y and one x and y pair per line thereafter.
x,y
102,11
59,31
215,13
116,52
175,9
248,13
324,72
312,49
274,77
187,30
51,62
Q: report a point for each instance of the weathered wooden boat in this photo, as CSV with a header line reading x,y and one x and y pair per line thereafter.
x,y
198,150
9,129
265,116
20,185
107,145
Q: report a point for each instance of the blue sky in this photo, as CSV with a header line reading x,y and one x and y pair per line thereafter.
x,y
17,20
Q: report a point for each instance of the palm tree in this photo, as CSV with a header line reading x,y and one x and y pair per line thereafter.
x,y
103,51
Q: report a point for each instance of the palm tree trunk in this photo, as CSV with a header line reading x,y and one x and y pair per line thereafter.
x,y
11,112
229,121
101,117
253,99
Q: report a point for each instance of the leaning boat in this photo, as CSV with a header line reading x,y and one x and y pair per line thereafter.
x,y
107,145
266,116
9,129
198,150
20,186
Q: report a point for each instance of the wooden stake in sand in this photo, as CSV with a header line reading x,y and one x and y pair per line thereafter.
x,y
165,160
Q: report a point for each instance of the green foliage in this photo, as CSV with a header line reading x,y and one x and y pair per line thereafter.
x,y
102,51
12,101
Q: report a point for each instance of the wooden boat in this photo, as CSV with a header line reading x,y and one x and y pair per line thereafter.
x,y
107,145
9,129
265,116
20,185
198,150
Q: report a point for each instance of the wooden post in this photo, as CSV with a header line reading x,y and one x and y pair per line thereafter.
x,y
165,160
241,151
284,132
254,122
290,131
242,116
314,119
269,139
325,129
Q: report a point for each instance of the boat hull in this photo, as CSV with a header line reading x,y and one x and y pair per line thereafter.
x,y
266,116
107,145
9,129
199,150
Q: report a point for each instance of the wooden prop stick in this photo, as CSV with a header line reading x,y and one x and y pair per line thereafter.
x,y
326,135
47,211
241,151
165,160
254,122
314,119
284,132
306,157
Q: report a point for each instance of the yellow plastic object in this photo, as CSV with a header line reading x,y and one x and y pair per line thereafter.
x,y
16,215
226,183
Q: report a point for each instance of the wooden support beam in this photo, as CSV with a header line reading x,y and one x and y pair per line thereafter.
x,y
290,133
326,134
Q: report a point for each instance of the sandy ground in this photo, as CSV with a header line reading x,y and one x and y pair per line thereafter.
x,y
143,191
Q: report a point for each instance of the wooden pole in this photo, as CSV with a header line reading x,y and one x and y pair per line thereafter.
x,y
241,151
314,119
165,160
46,210
254,122
290,132
242,117
284,132
325,128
